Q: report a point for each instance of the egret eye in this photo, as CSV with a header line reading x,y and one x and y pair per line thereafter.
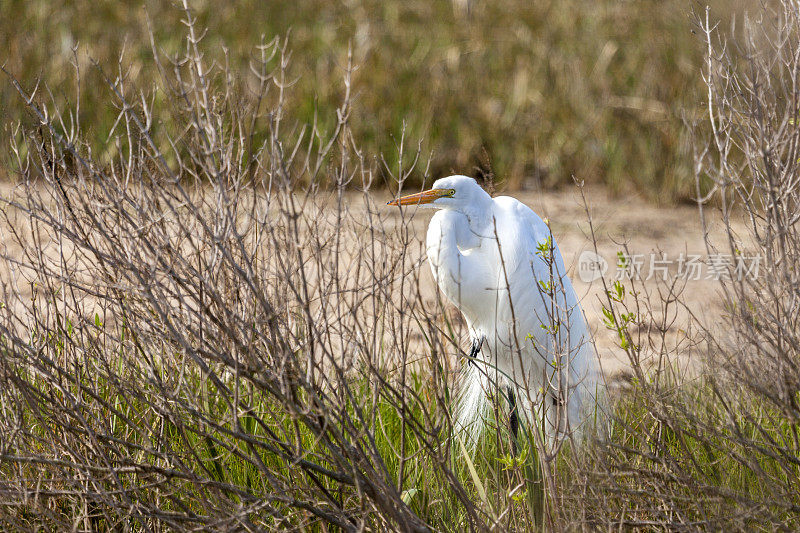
x,y
451,193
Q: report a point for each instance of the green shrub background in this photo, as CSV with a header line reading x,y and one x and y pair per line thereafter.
x,y
534,91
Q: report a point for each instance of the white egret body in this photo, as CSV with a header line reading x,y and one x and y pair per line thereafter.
x,y
495,260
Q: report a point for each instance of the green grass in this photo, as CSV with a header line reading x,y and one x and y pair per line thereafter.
x,y
672,446
536,91
684,450
202,435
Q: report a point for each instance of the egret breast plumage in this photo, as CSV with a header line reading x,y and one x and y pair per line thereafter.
x,y
496,260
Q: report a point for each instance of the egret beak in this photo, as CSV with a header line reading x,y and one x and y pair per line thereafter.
x,y
424,197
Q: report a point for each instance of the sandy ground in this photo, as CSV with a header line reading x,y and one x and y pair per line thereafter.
x,y
658,237
646,229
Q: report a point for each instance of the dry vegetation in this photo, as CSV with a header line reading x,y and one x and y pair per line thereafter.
x,y
535,91
198,332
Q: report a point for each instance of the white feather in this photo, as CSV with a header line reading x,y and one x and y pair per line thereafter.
x,y
487,258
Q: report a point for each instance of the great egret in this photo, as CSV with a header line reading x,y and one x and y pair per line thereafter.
x,y
495,260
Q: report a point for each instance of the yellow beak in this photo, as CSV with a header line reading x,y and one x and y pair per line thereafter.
x,y
424,197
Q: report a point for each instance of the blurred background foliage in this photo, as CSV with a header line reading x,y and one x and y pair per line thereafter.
x,y
533,91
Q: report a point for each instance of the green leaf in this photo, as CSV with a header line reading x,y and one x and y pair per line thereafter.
x,y
408,495
474,474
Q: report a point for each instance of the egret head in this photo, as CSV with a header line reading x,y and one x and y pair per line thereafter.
x,y
460,193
